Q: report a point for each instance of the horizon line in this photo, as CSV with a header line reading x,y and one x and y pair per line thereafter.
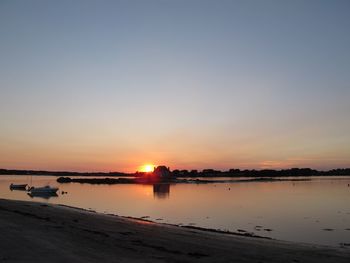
x,y
189,170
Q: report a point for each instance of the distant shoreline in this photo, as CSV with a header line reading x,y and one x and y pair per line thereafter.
x,y
210,173
150,180
65,234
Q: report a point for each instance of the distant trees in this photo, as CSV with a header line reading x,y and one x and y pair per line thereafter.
x,y
258,173
162,171
195,173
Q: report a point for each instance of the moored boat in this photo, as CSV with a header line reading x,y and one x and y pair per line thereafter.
x,y
18,186
42,195
43,190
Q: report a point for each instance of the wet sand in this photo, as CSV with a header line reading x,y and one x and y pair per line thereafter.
x,y
36,232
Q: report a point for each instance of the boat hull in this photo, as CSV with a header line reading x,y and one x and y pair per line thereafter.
x,y
18,186
43,190
43,195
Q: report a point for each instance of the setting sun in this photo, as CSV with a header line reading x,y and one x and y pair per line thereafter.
x,y
147,168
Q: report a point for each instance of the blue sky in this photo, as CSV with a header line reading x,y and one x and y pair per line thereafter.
x,y
111,85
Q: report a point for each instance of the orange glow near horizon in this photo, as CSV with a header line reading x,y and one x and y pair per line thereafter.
x,y
147,168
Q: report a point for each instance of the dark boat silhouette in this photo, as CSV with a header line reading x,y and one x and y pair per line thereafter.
x,y
43,190
21,187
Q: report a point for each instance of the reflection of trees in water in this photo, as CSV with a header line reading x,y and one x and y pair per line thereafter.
x,y
161,190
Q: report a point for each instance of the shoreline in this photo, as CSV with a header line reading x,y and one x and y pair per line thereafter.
x,y
144,219
111,181
37,232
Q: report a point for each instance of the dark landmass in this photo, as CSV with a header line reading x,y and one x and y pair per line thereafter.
x,y
167,180
114,180
36,232
191,173
293,172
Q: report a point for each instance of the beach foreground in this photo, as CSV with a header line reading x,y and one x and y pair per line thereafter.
x,y
36,232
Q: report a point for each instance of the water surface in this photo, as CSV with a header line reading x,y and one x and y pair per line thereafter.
x,y
314,211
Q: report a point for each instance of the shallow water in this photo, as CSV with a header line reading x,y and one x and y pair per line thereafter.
x,y
315,211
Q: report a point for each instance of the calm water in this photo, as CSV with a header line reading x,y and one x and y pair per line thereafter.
x,y
315,211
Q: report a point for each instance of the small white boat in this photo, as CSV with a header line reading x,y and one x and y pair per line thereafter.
x,y
18,186
43,190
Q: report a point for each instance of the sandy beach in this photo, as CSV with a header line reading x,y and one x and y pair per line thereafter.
x,y
37,232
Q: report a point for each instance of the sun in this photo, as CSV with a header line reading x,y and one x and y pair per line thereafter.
x,y
147,168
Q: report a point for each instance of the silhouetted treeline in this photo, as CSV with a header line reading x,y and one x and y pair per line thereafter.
x,y
195,173
259,173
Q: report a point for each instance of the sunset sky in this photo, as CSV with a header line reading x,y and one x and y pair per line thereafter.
x,y
112,85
